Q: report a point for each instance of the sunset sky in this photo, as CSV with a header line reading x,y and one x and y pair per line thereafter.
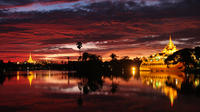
x,y
50,28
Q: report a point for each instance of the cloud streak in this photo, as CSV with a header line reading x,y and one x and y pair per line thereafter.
x,y
125,27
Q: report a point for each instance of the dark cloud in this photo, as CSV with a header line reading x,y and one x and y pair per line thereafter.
x,y
57,41
6,29
109,11
15,2
127,27
8,3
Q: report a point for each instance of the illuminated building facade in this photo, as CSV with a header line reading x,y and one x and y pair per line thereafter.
x,y
156,62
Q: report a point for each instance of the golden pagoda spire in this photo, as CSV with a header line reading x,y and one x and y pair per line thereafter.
x,y
170,48
171,44
30,60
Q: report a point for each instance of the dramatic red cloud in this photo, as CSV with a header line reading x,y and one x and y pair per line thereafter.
x,y
53,34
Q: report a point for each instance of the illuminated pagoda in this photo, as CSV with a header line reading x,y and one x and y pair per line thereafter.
x,y
156,62
170,48
30,60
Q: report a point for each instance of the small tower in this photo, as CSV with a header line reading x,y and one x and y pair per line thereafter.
x,y
30,60
170,48
170,44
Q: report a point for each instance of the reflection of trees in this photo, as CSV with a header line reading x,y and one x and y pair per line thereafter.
x,y
2,78
92,69
190,85
80,101
90,84
114,87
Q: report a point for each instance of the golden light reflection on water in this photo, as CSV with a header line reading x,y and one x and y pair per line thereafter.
x,y
30,77
133,71
164,81
171,93
167,83
196,82
18,75
44,76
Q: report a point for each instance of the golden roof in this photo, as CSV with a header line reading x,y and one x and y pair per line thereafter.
x,y
170,48
30,60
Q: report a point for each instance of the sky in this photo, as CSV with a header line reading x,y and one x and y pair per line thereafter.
x,y
49,29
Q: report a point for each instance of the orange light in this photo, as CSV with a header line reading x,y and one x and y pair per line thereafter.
x,y
171,93
133,71
30,77
17,75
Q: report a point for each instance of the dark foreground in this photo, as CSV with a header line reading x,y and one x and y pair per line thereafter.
x,y
52,91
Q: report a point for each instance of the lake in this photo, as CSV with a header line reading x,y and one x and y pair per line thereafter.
x,y
63,91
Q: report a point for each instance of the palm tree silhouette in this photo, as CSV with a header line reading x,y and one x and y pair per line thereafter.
x,y
79,46
113,56
68,59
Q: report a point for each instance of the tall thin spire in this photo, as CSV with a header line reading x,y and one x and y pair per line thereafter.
x,y
30,60
170,38
171,44
170,48
30,57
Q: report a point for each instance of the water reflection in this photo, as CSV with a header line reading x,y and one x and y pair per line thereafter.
x,y
31,75
18,76
169,84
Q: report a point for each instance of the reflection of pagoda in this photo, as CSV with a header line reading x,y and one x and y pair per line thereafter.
x,y
168,83
30,60
30,77
156,62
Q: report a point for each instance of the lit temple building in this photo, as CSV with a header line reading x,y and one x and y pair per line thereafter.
x,y
30,60
170,48
156,63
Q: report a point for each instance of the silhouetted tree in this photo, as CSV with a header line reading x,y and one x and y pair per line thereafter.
x,y
113,56
79,46
114,87
90,57
85,56
125,58
137,61
197,52
80,101
189,57
94,57
2,79
68,59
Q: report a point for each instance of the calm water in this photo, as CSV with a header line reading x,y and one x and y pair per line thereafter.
x,y
63,91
